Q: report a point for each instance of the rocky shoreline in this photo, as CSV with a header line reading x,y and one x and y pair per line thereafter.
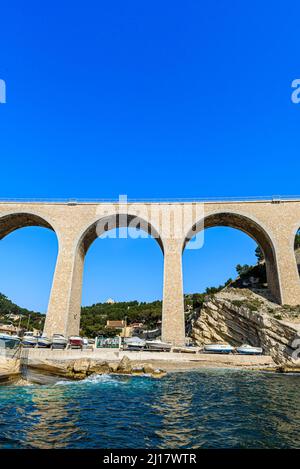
x,y
79,369
238,316
12,370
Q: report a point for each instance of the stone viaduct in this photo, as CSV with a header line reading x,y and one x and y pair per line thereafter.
x,y
271,223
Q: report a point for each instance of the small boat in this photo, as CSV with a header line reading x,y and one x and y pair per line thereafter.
x,y
218,348
134,343
158,346
75,341
151,334
29,340
246,349
9,341
187,349
44,342
59,341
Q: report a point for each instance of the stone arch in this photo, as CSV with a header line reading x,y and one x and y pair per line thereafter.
x,y
110,222
13,221
94,230
252,228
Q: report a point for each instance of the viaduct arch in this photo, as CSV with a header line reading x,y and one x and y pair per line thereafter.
x,y
272,223
253,229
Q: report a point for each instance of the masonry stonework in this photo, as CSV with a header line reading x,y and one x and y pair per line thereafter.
x,y
272,224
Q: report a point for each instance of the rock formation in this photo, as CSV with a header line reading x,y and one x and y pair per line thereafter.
x,y
9,368
84,367
239,316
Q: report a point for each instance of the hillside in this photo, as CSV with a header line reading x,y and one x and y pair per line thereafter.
x,y
93,318
10,313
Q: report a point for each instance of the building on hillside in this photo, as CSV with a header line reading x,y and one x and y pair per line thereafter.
x,y
137,325
8,329
117,325
126,331
13,317
110,301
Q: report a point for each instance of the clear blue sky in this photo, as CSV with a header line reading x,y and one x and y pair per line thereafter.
x,y
160,99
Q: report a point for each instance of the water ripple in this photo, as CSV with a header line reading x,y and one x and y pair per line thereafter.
x,y
203,409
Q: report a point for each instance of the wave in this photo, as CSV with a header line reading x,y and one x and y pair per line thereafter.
x,y
93,379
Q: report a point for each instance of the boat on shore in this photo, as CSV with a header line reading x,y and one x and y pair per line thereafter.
x,y
44,342
246,349
76,342
186,349
158,346
59,341
29,339
218,348
134,343
9,341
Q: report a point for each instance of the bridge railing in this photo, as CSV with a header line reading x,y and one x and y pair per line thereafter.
x,y
124,199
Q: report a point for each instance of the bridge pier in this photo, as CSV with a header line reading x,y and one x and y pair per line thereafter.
x,y
63,316
288,272
173,324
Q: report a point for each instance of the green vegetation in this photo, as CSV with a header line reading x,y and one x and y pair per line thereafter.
x,y
253,305
238,303
297,240
259,254
30,319
278,316
243,270
93,318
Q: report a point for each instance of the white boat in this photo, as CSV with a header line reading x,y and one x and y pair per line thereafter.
x,y
218,348
188,349
29,340
158,346
151,334
9,341
44,341
59,341
246,349
134,343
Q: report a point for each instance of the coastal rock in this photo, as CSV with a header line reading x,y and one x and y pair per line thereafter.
x,y
82,365
148,369
242,316
113,367
158,373
124,365
99,367
154,372
56,367
9,368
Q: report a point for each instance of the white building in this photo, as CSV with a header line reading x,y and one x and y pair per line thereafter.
x,y
110,301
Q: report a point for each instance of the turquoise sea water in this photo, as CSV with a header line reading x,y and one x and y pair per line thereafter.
x,y
202,409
